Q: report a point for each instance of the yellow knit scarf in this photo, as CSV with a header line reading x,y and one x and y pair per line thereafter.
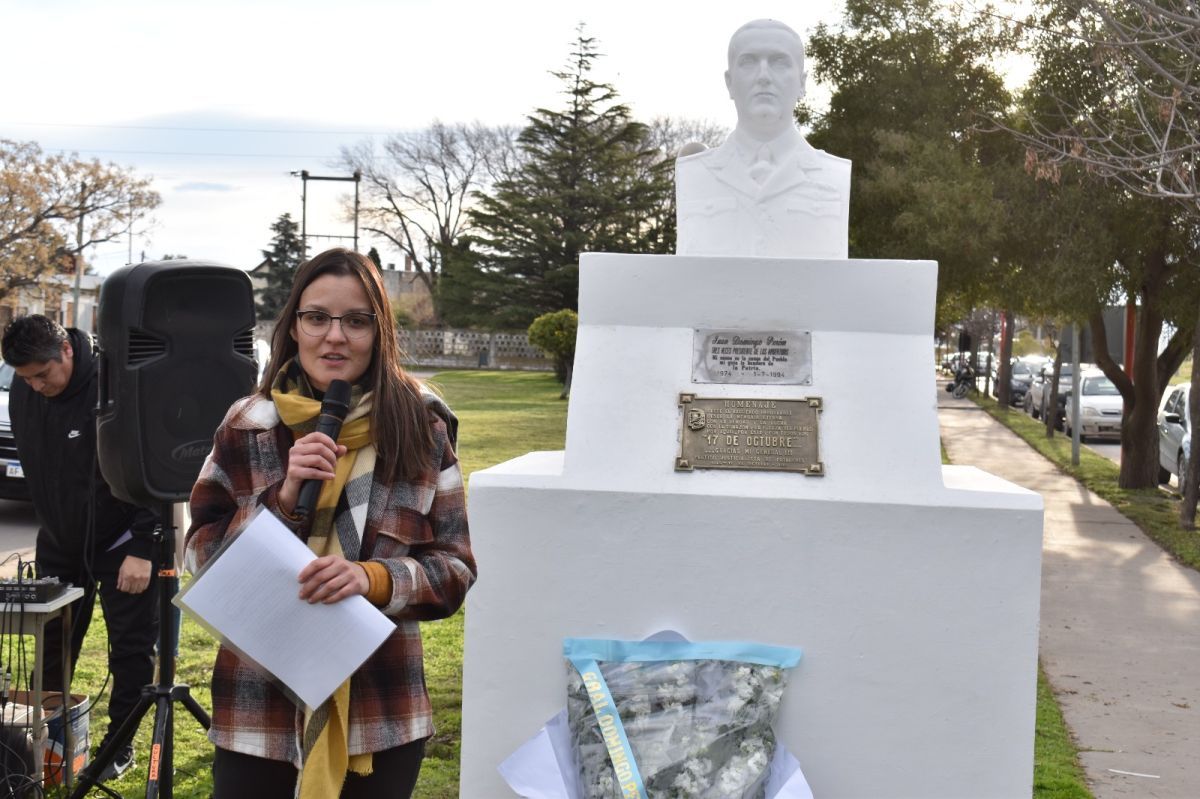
x,y
325,751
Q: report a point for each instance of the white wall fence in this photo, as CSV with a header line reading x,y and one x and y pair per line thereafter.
x,y
471,349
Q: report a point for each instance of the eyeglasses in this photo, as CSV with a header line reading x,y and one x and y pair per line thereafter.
x,y
354,325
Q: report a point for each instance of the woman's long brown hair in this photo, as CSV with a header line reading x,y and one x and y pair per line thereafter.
x,y
400,425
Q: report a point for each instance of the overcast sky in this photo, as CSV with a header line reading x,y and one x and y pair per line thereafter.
x,y
219,101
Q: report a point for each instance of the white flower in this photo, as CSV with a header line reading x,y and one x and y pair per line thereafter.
x,y
731,779
637,704
688,784
676,716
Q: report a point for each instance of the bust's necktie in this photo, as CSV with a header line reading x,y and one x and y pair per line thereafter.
x,y
762,165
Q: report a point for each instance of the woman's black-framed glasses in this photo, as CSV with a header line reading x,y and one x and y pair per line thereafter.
x,y
355,325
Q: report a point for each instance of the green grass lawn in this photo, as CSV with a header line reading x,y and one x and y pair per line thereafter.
x,y
502,415
1056,770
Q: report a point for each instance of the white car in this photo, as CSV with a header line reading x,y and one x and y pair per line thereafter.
x,y
12,477
1100,407
1174,432
1038,401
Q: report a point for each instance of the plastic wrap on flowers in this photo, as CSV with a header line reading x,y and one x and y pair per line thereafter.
x,y
669,720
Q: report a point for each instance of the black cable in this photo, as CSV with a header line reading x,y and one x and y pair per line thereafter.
x,y
16,746
89,557
93,587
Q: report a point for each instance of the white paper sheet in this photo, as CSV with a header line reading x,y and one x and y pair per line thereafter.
x,y
249,596
537,769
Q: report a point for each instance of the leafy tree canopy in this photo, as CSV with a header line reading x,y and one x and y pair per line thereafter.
x,y
43,197
910,80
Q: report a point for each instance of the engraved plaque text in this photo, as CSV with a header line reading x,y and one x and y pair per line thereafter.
x,y
757,434
774,357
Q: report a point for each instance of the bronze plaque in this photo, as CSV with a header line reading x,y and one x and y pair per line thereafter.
x,y
758,434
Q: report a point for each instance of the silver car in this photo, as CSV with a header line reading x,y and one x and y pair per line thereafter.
x,y
1038,401
1100,407
1174,432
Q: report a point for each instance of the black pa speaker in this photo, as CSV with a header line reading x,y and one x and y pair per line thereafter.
x,y
176,349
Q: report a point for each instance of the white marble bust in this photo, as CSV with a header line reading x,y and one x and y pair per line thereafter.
x,y
765,191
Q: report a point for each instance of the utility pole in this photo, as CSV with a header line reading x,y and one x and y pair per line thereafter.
x,y
305,178
78,257
1076,389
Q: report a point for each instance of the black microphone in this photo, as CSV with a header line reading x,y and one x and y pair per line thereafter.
x,y
333,413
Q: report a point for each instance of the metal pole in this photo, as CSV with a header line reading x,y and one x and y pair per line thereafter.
x,y
304,212
1076,387
1130,332
357,178
78,258
305,177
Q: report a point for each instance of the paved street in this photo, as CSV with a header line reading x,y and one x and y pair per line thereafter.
x,y
1109,449
1118,622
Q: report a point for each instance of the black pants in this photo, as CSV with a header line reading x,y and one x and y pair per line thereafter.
x,y
132,621
393,775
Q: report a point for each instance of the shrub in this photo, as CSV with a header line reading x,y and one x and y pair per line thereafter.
x,y
554,333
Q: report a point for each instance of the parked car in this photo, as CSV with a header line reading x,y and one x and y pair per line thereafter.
x,y
1174,432
262,357
1042,402
1100,407
986,363
1037,379
12,478
1021,376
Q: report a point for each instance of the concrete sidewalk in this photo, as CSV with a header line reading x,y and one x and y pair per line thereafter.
x,y
1120,622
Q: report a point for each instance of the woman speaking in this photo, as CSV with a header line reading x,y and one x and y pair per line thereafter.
x,y
389,523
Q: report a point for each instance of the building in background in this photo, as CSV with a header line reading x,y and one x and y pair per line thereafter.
x,y
54,297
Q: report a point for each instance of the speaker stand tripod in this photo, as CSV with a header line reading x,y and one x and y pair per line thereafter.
x,y
161,695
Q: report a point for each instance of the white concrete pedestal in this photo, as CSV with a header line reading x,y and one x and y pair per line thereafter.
x,y
911,587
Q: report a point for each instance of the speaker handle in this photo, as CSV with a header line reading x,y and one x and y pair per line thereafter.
x,y
102,396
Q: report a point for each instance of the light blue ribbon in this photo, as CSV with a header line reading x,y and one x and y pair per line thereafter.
x,y
620,754
611,651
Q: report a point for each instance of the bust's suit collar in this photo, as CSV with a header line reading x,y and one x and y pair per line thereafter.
x,y
794,158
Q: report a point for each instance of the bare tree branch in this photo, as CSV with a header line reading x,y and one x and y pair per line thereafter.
x,y
1144,133
418,185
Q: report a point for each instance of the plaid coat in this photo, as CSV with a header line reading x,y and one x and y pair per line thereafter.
x,y
418,531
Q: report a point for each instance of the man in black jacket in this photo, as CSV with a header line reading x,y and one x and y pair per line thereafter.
x,y
87,536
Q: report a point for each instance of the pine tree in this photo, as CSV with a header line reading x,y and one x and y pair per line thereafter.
x,y
589,181
286,253
373,255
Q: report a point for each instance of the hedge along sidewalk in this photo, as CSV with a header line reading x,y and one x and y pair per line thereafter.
x,y
1117,623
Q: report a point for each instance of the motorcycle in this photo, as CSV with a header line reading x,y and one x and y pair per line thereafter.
x,y
964,380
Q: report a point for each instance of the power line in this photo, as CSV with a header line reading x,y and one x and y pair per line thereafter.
x,y
65,150
305,131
